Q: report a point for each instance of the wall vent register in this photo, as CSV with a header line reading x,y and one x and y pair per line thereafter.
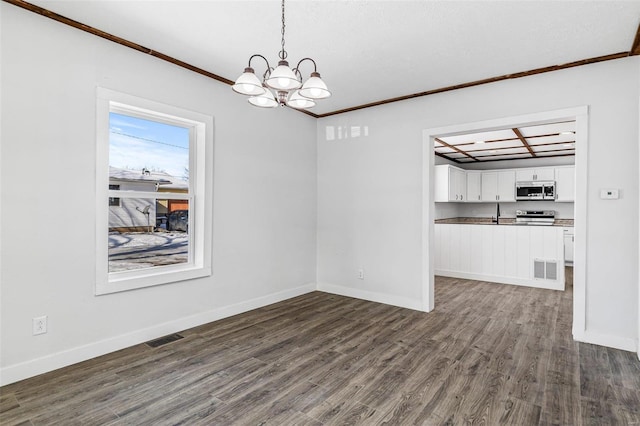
x,y
545,270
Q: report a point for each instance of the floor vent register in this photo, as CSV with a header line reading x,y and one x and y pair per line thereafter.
x,y
164,340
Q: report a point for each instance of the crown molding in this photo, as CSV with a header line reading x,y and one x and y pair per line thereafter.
x,y
635,50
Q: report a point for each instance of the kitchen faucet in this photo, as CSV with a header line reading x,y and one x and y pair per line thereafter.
x,y
497,219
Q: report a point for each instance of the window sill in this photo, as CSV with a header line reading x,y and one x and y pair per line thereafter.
x,y
119,282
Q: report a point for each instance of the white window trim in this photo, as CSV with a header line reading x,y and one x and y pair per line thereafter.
x,y
201,181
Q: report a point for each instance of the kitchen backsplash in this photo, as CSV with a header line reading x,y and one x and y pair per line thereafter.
x,y
447,210
563,210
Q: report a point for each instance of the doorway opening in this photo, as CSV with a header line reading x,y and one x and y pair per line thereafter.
x,y
456,145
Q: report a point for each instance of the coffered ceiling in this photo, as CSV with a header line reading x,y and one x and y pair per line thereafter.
x,y
369,51
539,141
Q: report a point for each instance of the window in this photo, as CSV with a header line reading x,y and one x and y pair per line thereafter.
x,y
114,201
154,167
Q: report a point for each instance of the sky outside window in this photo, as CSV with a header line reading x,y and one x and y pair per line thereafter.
x,y
136,143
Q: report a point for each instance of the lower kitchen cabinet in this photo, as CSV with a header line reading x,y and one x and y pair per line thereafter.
x,y
568,245
521,255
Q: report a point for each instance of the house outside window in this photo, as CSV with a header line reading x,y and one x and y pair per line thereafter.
x,y
154,167
114,201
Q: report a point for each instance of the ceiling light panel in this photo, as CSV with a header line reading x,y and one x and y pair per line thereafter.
x,y
548,129
483,136
444,149
556,153
559,147
551,139
493,145
522,150
456,155
507,157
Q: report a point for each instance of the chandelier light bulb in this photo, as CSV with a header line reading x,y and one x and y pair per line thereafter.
x,y
264,100
315,88
248,88
283,82
248,83
300,102
282,78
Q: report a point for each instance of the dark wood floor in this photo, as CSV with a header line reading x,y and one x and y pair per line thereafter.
x,y
489,354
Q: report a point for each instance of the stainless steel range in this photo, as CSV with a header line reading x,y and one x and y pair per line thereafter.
x,y
535,217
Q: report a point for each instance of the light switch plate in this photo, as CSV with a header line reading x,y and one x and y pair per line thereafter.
x,y
609,194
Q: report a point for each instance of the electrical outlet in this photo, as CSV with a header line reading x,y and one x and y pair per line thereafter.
x,y
361,274
39,325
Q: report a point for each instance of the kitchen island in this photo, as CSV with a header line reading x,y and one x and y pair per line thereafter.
x,y
508,253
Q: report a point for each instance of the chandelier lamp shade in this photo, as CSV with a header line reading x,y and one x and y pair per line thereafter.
x,y
282,80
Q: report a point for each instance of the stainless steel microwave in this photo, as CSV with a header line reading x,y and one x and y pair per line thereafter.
x,y
536,190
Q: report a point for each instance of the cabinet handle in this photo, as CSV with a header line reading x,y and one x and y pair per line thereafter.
x,y
461,197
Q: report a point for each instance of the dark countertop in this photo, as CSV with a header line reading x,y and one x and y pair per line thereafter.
x,y
503,221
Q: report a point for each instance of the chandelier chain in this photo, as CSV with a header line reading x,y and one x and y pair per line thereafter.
x,y
283,53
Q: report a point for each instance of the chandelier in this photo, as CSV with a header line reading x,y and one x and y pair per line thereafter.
x,y
284,81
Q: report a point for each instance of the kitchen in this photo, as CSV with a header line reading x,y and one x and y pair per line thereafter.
x,y
504,205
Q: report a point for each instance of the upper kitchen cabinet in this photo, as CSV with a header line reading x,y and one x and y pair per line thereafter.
x,y
565,178
474,186
450,183
498,186
542,173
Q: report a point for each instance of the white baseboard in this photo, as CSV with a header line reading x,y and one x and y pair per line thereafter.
x,y
616,342
34,367
546,284
388,299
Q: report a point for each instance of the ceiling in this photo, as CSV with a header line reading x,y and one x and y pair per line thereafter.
x,y
369,51
527,142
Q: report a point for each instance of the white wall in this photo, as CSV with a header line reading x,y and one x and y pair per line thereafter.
x,y
264,198
370,189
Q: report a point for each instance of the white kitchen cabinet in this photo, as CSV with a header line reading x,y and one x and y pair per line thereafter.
x,y
474,186
498,186
457,190
507,185
489,190
529,174
568,245
565,178
450,184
